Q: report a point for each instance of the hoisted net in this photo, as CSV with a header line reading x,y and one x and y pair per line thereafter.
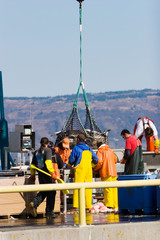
x,y
73,125
90,123
94,133
73,122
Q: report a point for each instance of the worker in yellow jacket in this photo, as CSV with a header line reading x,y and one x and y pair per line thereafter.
x,y
107,172
82,157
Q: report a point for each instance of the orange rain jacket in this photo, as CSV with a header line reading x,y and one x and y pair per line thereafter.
x,y
107,161
64,153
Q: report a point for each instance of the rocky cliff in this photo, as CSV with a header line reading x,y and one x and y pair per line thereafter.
x,y
111,110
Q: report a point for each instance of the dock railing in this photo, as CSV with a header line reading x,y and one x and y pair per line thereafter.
x,y
81,188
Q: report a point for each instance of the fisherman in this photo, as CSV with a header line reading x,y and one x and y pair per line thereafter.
x,y
107,171
57,164
133,154
57,161
64,150
82,157
145,127
42,159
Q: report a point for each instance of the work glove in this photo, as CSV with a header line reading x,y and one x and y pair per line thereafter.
x,y
69,165
156,150
123,161
93,165
53,175
156,146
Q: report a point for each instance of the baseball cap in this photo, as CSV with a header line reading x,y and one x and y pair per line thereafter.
x,y
81,137
65,142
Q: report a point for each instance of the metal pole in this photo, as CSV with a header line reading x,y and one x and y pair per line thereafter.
x,y
86,185
82,213
65,197
6,158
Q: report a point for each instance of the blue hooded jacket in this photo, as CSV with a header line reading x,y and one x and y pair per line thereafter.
x,y
76,155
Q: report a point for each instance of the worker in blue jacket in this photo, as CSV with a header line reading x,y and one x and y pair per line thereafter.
x,y
83,159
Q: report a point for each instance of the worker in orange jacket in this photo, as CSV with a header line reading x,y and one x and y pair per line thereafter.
x,y
64,150
145,127
107,172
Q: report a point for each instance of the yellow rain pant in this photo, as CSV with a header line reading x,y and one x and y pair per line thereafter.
x,y
110,194
83,173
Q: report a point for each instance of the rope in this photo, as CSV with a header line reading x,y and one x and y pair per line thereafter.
x,y
73,124
80,79
89,118
80,28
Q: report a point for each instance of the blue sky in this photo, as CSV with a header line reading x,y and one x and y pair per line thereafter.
x,y
39,46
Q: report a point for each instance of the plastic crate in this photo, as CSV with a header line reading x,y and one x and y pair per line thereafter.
x,y
137,199
158,199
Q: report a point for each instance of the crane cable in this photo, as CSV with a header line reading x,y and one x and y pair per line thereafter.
x,y
80,79
80,28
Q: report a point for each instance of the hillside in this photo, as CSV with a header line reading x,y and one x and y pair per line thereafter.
x,y
111,110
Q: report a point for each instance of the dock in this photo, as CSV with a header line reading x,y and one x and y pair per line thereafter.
x,y
99,226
